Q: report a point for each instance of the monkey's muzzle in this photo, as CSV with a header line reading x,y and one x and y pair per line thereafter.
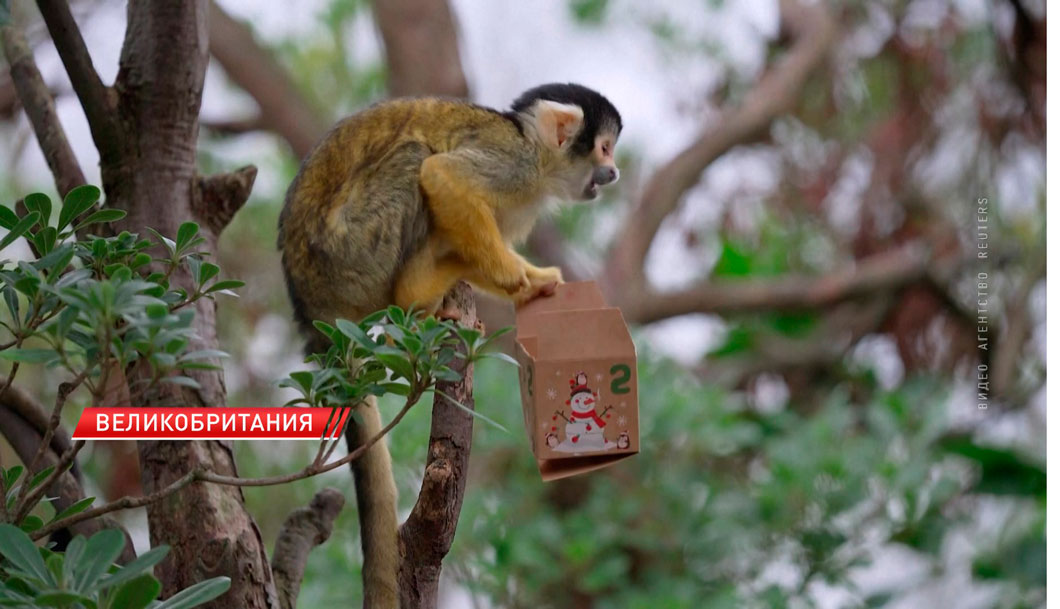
x,y
602,176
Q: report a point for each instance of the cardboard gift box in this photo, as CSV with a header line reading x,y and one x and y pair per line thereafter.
x,y
578,381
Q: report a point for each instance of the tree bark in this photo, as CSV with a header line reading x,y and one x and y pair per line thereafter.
x,y
422,53
153,178
424,539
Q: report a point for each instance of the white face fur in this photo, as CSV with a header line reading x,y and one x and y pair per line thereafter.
x,y
556,125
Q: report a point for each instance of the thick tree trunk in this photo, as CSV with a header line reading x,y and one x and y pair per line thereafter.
x,y
152,176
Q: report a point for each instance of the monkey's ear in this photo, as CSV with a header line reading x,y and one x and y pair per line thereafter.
x,y
557,123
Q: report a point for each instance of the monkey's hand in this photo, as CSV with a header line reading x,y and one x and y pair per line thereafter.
x,y
509,273
543,282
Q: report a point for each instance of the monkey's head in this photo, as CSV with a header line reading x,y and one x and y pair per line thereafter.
x,y
581,127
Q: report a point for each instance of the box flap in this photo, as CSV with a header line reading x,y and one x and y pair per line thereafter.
x,y
568,296
583,335
554,469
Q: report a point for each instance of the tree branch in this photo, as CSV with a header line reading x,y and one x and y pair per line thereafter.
x,y
425,537
97,99
775,93
220,196
235,126
283,108
304,529
25,435
32,413
37,100
887,270
422,54
202,474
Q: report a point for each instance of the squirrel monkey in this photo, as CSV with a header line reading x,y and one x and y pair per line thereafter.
x,y
404,199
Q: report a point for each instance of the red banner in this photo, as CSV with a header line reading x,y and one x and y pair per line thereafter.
x,y
209,423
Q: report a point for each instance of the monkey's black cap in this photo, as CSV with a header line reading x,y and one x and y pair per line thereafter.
x,y
600,114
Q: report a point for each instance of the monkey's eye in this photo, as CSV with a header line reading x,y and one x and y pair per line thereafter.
x,y
606,149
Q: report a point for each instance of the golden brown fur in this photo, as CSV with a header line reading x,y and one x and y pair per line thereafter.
x,y
404,199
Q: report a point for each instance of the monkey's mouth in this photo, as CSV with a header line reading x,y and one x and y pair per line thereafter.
x,y
589,192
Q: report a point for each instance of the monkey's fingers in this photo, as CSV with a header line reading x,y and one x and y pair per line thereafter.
x,y
537,290
543,275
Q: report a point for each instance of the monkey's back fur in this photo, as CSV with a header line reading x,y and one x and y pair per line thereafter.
x,y
355,212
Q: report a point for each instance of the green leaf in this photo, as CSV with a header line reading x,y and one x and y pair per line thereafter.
x,y
136,593
28,356
197,594
16,546
185,234
39,202
77,202
19,229
75,508
225,284
8,218
474,413
44,239
207,271
396,361
5,13
354,332
183,381
397,388
101,217
135,567
11,476
396,314
59,598
504,357
304,378
74,551
204,354
165,241
101,551
31,523
734,261
1004,472
11,298
41,475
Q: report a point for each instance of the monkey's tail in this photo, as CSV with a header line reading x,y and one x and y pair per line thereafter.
x,y
377,507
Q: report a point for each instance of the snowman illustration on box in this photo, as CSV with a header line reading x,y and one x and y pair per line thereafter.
x,y
585,428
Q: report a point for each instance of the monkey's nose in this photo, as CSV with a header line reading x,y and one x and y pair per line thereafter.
x,y
605,175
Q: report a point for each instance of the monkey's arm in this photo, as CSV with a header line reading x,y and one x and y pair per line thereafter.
x,y
463,210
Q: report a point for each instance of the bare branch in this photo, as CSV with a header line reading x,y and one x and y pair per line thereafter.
x,y
425,537
316,467
200,474
887,270
304,529
97,99
220,196
124,503
421,48
235,126
774,94
37,100
65,389
283,108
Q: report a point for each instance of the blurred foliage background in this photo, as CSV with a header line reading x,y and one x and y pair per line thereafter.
x,y
828,454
